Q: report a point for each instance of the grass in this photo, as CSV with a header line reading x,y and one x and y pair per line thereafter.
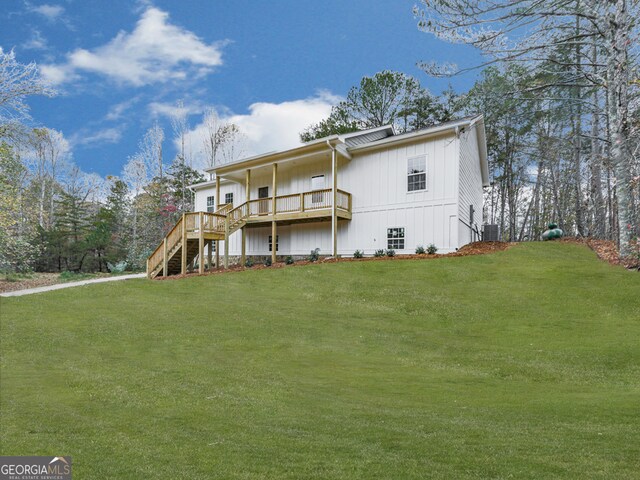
x,y
520,364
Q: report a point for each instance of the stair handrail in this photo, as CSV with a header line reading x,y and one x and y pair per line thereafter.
x,y
152,261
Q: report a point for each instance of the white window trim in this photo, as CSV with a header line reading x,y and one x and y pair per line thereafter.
x,y
426,174
404,238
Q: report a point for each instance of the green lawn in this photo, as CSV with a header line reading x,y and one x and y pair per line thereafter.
x,y
520,364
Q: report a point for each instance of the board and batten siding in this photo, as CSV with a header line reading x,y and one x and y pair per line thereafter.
x,y
470,185
381,200
377,181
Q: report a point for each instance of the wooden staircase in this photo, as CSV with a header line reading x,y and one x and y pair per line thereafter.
x,y
195,230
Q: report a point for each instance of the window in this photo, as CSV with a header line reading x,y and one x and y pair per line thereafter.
x,y
211,204
317,183
228,198
395,238
417,173
271,241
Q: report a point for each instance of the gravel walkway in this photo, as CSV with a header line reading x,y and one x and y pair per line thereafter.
x,y
58,286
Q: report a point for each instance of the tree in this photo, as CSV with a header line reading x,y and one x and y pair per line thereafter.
x,y
222,142
18,80
387,98
572,45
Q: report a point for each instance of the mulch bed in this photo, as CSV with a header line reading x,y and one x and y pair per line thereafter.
x,y
606,250
36,280
476,248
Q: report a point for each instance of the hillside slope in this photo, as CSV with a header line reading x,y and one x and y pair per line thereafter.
x,y
519,364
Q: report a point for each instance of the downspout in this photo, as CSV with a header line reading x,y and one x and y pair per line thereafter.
x,y
334,186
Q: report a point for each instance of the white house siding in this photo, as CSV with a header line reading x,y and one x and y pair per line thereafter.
x,y
470,185
378,183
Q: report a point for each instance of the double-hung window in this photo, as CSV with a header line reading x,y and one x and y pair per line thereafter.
x,y
317,183
417,173
211,204
228,198
395,238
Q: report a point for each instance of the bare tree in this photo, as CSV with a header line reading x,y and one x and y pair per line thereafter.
x,y
18,80
222,142
150,151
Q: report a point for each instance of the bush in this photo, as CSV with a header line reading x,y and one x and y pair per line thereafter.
x,y
358,254
379,253
248,263
391,252
267,262
432,249
118,267
315,255
289,260
420,250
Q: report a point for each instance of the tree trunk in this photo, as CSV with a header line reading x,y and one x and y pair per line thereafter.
x,y
618,85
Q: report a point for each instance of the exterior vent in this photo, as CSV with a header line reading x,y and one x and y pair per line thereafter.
x,y
490,233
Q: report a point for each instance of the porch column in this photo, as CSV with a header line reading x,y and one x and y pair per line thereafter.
x,y
183,263
201,243
274,230
216,207
248,185
247,188
334,207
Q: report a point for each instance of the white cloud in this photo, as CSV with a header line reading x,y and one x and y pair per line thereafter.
x,y
271,126
106,135
169,110
117,111
36,42
154,52
50,12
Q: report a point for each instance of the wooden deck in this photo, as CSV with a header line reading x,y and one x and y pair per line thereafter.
x,y
197,230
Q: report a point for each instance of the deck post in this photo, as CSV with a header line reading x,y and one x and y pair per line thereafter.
x,y
209,255
217,204
243,258
274,195
183,266
201,244
302,202
334,209
226,242
165,258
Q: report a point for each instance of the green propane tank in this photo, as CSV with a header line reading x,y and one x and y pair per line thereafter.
x,y
552,233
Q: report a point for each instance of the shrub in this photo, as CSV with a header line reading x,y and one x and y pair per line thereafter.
x,y
379,253
289,260
420,250
358,254
267,262
118,267
315,255
248,263
391,252
432,249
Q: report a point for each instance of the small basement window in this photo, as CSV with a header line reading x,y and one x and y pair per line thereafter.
x,y
417,173
395,238
211,204
228,198
271,242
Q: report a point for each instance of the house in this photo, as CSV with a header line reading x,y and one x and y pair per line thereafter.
x,y
369,190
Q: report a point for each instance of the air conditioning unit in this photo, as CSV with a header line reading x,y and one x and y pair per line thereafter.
x,y
490,233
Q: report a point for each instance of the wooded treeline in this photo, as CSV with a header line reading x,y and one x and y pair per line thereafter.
x,y
559,92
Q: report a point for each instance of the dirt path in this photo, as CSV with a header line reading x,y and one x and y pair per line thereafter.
x,y
58,286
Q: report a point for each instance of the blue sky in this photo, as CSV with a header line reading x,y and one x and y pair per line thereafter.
x,y
271,67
